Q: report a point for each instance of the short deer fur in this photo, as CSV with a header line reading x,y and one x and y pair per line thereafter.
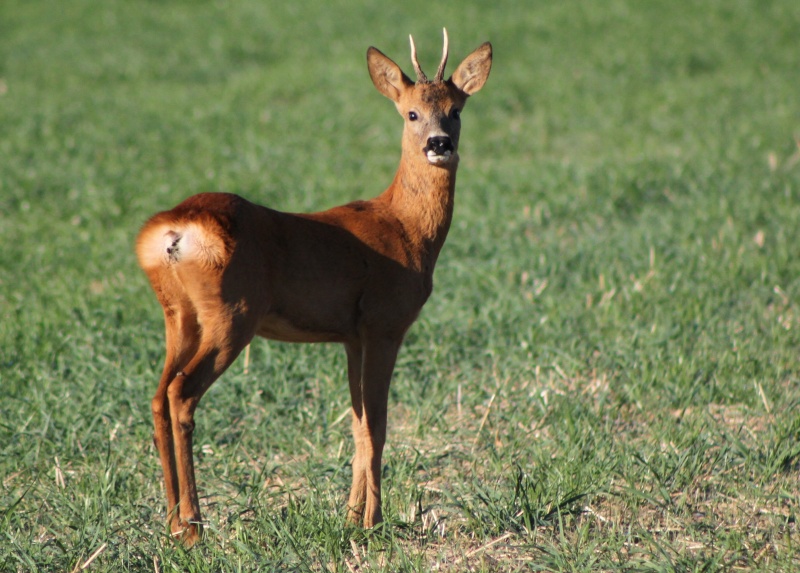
x,y
225,270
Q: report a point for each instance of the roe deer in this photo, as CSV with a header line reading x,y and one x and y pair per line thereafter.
x,y
225,270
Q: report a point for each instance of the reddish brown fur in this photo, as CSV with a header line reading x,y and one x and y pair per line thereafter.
x,y
225,270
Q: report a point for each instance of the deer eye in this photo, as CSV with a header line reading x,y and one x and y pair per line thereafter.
x,y
456,114
412,116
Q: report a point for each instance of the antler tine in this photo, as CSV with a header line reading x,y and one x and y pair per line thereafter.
x,y
440,72
421,77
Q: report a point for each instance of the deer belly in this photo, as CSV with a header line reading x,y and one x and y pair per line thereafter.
x,y
309,317
275,327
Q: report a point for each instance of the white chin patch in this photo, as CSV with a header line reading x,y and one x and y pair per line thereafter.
x,y
436,159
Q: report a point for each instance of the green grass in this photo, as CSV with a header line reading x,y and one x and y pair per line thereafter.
x,y
606,377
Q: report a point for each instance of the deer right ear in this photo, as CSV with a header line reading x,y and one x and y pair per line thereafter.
x,y
386,75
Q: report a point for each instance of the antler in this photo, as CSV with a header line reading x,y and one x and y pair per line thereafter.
x,y
421,77
440,72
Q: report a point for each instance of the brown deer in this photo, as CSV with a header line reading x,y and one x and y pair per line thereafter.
x,y
225,270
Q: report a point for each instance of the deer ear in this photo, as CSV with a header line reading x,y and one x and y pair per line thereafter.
x,y
471,74
386,75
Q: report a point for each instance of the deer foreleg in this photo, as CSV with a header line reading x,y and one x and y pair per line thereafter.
x,y
370,398
355,504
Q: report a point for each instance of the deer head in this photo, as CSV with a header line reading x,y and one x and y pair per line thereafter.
x,y
432,109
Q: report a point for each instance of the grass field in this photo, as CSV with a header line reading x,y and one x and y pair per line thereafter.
x,y
606,378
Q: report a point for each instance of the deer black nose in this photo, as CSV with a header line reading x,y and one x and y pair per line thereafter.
x,y
439,144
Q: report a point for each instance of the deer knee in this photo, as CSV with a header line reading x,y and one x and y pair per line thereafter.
x,y
181,409
184,417
184,421
159,406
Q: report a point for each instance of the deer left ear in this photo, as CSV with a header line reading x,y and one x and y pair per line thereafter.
x,y
386,75
471,74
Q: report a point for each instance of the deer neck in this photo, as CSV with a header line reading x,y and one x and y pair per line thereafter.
x,y
421,197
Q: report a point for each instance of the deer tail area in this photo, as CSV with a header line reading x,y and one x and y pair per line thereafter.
x,y
167,243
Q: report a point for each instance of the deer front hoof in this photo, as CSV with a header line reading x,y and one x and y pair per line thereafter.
x,y
372,519
189,534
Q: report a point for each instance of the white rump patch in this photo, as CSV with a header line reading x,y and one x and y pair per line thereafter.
x,y
167,245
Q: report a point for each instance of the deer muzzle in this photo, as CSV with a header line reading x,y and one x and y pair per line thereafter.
x,y
439,149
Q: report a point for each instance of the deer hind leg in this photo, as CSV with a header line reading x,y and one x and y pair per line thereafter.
x,y
196,356
369,392
223,337
182,340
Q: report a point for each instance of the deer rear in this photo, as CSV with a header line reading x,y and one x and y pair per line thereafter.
x,y
225,269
